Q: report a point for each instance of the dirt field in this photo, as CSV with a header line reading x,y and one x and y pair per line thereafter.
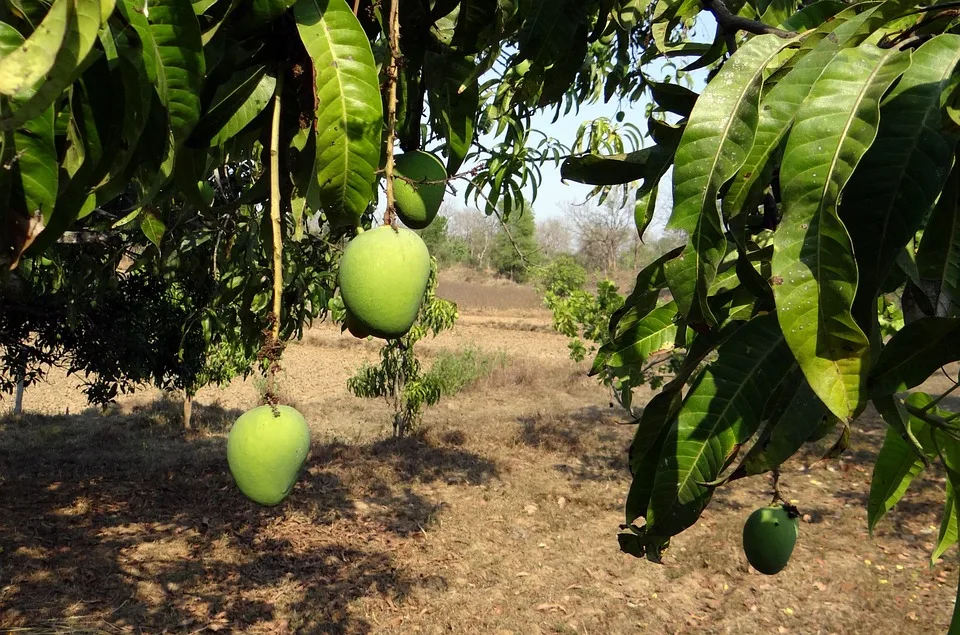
x,y
499,516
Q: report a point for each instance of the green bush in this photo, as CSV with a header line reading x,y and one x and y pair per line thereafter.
x,y
561,276
452,371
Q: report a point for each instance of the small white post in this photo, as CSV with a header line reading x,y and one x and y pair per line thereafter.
x,y
18,400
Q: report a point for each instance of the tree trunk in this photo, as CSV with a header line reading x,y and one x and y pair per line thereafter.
x,y
187,410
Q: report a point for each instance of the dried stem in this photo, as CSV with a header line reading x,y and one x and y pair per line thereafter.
x,y
393,53
777,497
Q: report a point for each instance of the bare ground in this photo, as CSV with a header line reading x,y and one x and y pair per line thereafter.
x,y
499,516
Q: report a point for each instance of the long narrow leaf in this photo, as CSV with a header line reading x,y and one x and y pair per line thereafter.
x,y
900,177
714,145
896,466
27,64
83,23
780,105
349,112
938,256
796,415
814,271
722,411
914,353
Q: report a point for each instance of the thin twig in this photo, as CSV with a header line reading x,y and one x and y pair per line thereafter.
x,y
393,51
356,7
732,23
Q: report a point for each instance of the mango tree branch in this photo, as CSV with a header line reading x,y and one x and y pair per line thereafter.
x,y
393,51
731,23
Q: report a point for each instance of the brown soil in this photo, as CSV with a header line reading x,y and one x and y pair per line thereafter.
x,y
498,516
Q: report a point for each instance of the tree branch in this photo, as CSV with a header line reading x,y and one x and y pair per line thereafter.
x,y
732,23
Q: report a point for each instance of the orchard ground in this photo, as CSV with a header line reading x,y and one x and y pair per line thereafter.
x,y
499,516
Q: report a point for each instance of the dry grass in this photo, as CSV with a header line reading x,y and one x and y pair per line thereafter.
x,y
498,516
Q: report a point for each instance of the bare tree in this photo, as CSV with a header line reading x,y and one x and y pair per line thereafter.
x,y
554,237
602,233
477,229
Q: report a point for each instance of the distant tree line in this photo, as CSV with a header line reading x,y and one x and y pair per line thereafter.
x,y
600,240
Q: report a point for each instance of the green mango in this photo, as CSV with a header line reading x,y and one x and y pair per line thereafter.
x,y
356,329
417,204
383,277
769,536
265,452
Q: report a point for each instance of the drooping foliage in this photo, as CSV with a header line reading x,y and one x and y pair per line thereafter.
x,y
813,174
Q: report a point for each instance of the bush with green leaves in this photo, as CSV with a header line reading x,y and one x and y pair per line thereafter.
x,y
561,276
453,371
399,378
584,317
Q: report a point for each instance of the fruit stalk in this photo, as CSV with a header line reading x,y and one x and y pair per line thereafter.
x,y
275,210
393,51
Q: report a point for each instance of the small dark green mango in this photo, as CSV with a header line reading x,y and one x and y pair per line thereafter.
x,y
769,536
383,276
265,452
417,204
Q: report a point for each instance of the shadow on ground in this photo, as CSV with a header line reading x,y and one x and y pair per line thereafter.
x,y
112,521
593,440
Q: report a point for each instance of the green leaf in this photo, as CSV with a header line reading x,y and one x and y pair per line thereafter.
x,y
895,468
562,74
83,23
914,353
137,91
814,271
349,112
813,15
714,145
548,30
796,414
35,165
607,169
235,104
900,177
266,11
779,107
653,334
722,410
152,227
454,109
644,209
171,39
646,291
674,98
655,422
24,66
476,20
938,255
652,430
947,537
